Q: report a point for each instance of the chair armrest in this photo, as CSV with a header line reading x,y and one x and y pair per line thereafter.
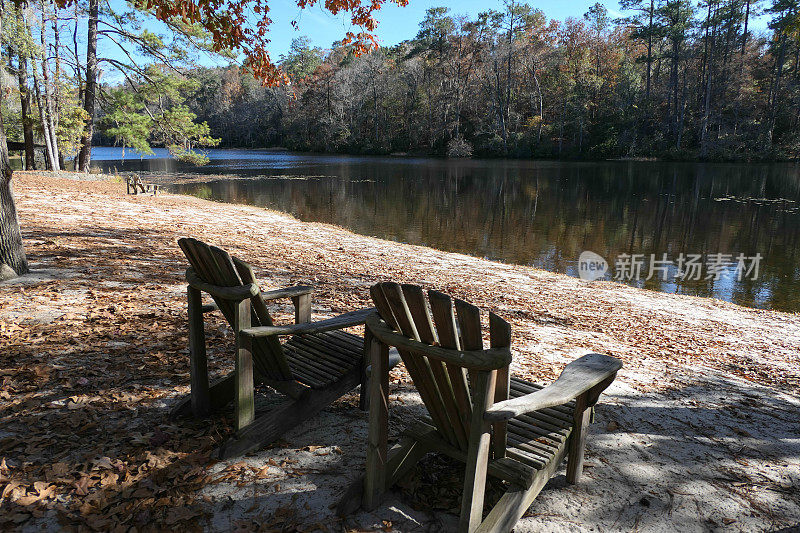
x,y
490,359
353,318
236,293
289,292
578,377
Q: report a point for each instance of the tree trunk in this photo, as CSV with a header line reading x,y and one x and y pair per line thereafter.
x,y
561,128
746,21
501,122
683,113
85,156
77,67
25,108
375,112
776,83
49,108
704,69
507,106
52,162
11,251
674,79
650,51
540,101
56,83
707,89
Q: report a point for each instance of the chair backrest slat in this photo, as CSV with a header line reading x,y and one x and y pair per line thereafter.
x,y
216,267
439,378
393,300
188,247
500,337
226,270
445,319
415,299
469,323
382,304
201,259
443,386
397,302
499,332
275,364
469,326
259,307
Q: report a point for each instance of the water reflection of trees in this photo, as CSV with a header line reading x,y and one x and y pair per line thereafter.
x,y
545,214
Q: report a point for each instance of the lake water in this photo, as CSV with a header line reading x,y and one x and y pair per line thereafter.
x,y
538,213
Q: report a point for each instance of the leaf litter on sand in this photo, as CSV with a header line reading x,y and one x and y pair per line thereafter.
x,y
93,353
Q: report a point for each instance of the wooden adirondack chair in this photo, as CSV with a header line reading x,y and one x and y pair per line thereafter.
x,y
135,185
505,428
318,364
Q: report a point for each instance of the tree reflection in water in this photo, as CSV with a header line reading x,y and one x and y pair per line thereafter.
x,y
537,212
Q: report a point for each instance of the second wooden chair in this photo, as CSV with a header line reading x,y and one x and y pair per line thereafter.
x,y
316,365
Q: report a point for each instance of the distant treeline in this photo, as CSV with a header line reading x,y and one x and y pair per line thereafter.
x,y
678,79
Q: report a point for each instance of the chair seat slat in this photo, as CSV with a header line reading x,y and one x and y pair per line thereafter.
x,y
543,439
523,445
526,458
306,361
542,449
317,357
307,379
312,358
336,347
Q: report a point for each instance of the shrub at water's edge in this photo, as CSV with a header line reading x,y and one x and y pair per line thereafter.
x,y
188,156
459,147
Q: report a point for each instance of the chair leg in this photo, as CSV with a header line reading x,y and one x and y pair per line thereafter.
x,y
500,429
402,458
363,398
577,440
394,360
245,400
375,482
302,308
477,453
220,393
198,366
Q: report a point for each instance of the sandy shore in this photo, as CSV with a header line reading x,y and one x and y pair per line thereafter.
x,y
700,431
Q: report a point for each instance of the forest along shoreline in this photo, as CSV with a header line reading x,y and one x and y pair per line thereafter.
x,y
700,424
